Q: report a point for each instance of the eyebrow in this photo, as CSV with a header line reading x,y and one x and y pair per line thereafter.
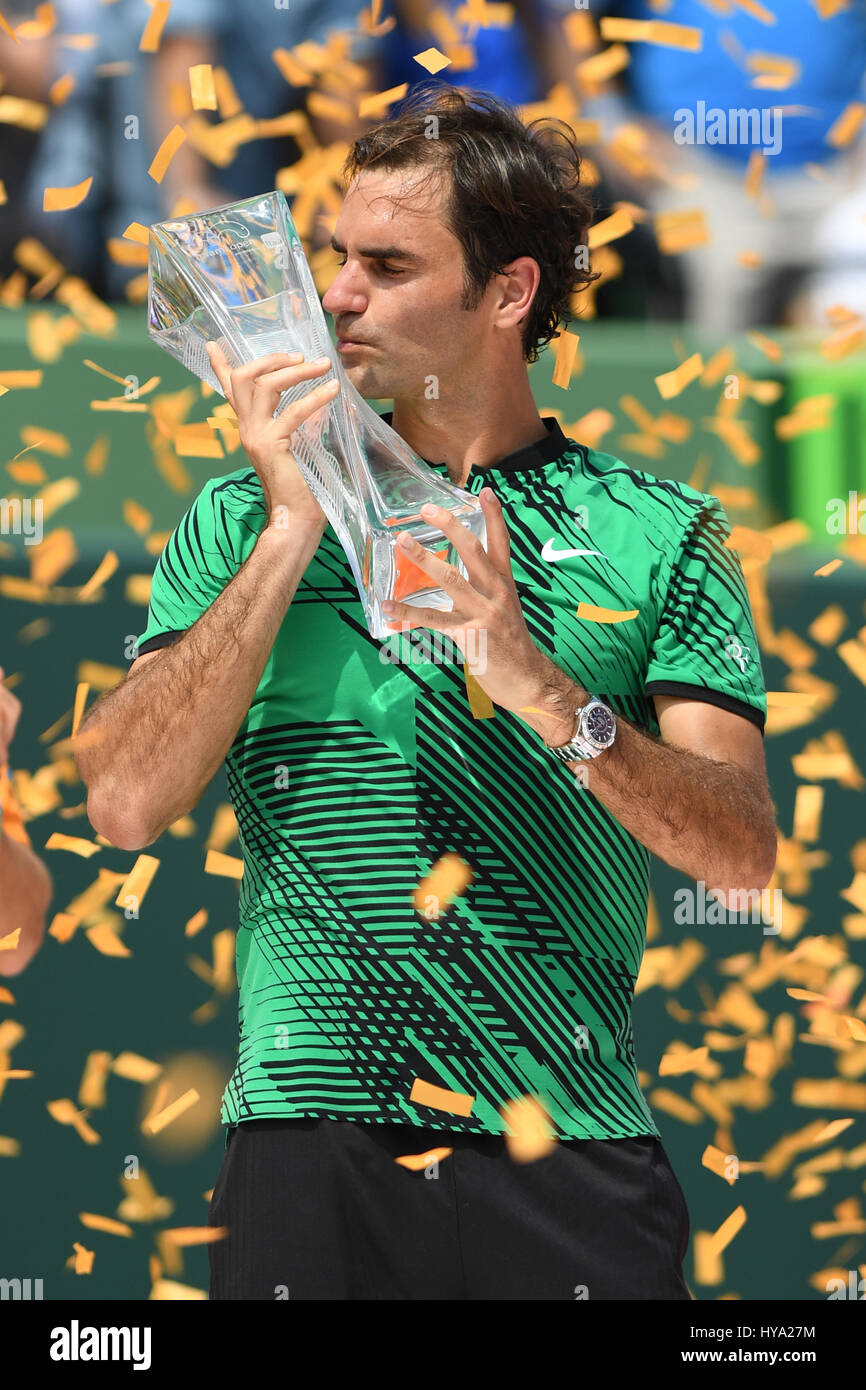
x,y
379,253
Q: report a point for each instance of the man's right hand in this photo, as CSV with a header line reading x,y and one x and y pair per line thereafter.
x,y
253,392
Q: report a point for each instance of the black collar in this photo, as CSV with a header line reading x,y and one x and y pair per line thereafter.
x,y
530,457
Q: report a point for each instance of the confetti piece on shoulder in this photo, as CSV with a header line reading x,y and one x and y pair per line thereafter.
x,y
438,1098
529,1135
593,614
417,1162
60,199
10,942
672,383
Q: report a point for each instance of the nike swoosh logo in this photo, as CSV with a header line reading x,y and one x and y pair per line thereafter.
x,y
548,552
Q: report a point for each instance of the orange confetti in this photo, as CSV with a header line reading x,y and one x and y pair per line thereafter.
x,y
154,1124
438,1098
152,32
671,384
166,153
566,350
620,223
529,1135
202,88
434,62
847,125
416,1162
377,104
655,31
592,614
448,878
60,199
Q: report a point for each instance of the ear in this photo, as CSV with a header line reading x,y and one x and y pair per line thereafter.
x,y
518,287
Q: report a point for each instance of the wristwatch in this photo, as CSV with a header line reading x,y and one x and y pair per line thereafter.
x,y
595,731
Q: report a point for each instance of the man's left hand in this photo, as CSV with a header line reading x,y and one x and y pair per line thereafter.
x,y
502,657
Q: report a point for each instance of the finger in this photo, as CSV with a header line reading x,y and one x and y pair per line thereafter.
x,y
445,576
268,389
482,575
305,409
221,369
399,615
498,539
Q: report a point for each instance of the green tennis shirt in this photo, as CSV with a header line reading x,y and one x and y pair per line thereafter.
x,y
360,764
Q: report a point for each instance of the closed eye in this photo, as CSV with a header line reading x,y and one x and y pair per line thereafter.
x,y
386,270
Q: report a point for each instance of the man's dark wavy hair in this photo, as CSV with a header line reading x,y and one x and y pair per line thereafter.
x,y
515,191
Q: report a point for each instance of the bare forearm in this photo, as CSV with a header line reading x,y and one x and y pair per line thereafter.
x,y
149,748
25,894
710,819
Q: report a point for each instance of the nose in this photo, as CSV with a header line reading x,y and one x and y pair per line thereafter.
x,y
343,295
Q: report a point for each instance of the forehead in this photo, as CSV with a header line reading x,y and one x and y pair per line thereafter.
x,y
407,204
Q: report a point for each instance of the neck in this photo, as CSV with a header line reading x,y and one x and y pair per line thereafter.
x,y
474,430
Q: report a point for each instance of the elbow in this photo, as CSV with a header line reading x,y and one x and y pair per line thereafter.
x,y
122,833
745,882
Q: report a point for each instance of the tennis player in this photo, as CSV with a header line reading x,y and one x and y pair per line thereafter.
x,y
594,697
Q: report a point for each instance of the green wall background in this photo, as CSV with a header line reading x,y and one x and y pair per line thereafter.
x,y
73,1000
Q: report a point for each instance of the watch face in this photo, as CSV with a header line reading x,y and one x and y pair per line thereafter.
x,y
599,726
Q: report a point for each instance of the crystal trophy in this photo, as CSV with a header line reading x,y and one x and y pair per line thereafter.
x,y
238,275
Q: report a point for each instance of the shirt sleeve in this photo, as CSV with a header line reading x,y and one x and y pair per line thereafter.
x,y
705,646
200,558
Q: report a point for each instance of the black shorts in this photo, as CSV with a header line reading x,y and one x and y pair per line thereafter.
x,y
318,1209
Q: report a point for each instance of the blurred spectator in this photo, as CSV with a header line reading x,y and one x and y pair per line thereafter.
x,y
510,56
90,132
25,884
25,69
760,243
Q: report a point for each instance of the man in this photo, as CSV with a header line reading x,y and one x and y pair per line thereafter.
x,y
373,1029
25,883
